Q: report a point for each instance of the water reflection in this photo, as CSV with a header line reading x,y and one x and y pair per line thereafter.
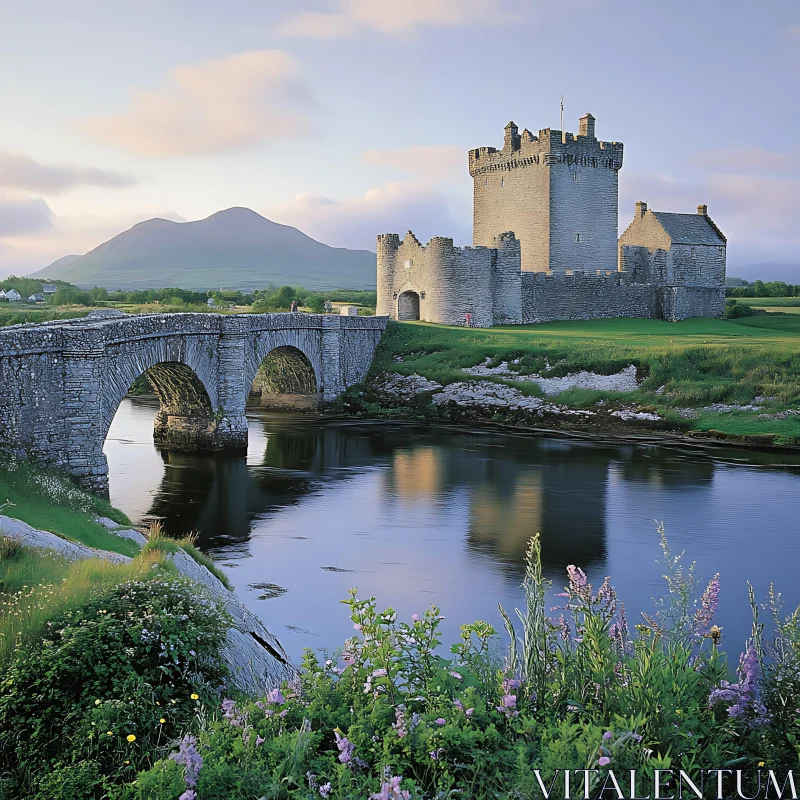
x,y
419,515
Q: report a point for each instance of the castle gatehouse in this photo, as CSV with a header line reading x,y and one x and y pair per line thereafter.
x,y
545,246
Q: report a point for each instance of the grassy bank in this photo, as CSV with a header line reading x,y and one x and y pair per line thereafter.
x,y
683,368
50,501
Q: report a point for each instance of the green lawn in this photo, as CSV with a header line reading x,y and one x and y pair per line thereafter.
x,y
689,364
770,302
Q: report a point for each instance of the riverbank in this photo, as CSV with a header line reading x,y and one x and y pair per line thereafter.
x,y
731,380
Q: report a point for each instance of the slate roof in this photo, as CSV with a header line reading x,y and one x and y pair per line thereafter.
x,y
690,228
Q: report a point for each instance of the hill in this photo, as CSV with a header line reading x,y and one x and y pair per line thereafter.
x,y
55,269
236,248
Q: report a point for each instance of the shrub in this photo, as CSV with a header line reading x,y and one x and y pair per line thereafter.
x,y
114,679
735,310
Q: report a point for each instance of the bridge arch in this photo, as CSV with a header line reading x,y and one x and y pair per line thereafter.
x,y
286,378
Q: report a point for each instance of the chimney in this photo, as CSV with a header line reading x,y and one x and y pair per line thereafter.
x,y
641,209
586,126
702,211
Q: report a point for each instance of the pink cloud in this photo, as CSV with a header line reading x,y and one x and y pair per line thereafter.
x,y
394,18
214,106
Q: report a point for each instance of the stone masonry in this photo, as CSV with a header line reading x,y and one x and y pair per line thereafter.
x,y
61,383
545,245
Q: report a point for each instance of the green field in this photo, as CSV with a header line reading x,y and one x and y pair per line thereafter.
x,y
770,302
685,365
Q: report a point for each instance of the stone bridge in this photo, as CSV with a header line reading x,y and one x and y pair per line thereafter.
x,y
62,382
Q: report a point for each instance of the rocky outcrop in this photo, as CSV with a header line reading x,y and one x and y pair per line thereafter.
x,y
23,533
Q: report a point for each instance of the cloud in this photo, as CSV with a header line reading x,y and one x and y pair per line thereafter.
x,y
394,17
214,106
393,207
431,164
19,216
746,159
26,248
21,172
793,32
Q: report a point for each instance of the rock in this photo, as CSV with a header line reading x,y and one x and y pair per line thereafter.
x,y
23,533
623,381
120,530
256,659
406,386
628,414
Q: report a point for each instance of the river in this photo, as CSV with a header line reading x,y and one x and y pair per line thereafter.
x,y
417,515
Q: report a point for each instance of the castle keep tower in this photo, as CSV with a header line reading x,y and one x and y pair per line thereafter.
x,y
556,191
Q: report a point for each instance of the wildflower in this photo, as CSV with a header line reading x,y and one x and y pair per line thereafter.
x,y
97,702
415,617
276,697
229,711
441,721
390,790
195,696
325,789
458,704
378,673
761,764
604,761
457,676
283,713
109,733
189,794
708,605
259,741
608,735
400,721
358,626
162,720
312,781
715,634
130,737
345,746
191,761
469,711
743,697
434,754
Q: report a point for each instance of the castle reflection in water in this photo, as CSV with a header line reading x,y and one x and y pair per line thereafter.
x,y
511,486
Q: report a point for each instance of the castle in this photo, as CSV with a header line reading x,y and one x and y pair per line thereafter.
x,y
545,245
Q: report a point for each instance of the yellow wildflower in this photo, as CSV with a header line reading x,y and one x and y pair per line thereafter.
x,y
162,720
97,702
109,733
195,696
131,737
761,764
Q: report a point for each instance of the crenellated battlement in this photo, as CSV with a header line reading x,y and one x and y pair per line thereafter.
x,y
548,148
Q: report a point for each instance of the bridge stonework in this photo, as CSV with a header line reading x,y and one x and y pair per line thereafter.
x,y
61,383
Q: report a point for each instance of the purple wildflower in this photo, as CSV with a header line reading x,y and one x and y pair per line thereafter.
x,y
469,711
603,761
457,676
259,741
400,721
608,735
191,761
458,704
229,711
390,790
441,721
312,781
345,746
276,697
743,697
189,794
434,754
325,789
578,583
704,616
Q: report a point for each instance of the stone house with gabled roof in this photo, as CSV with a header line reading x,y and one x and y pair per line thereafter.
x,y
673,249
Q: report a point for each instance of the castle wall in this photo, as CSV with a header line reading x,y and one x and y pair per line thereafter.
x,y
549,298
683,302
697,265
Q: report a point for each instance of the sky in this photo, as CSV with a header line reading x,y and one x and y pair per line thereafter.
x,y
350,118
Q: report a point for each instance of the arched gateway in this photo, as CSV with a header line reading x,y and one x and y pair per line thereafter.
x,y
61,383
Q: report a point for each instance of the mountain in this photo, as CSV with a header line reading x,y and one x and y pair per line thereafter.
x,y
55,269
234,249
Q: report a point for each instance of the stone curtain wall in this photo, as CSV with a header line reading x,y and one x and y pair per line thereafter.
x,y
546,192
61,383
548,298
451,282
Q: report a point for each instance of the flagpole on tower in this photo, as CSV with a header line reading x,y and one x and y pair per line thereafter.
x,y
563,135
